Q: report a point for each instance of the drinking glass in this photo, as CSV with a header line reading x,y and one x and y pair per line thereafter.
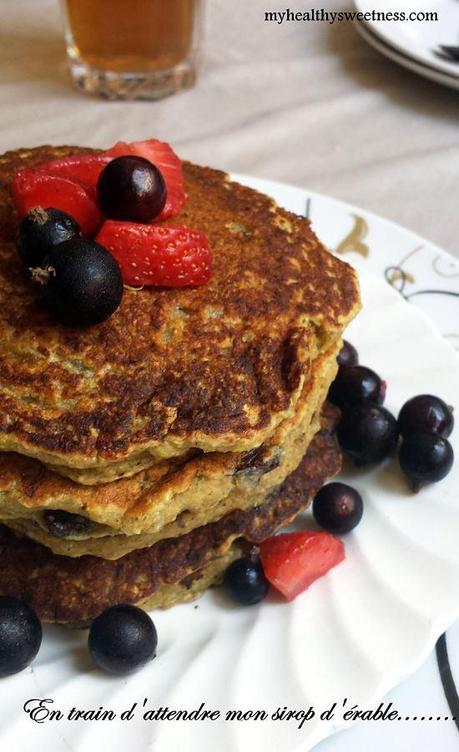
x,y
133,49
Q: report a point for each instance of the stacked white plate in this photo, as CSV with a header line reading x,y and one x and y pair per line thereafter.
x,y
415,44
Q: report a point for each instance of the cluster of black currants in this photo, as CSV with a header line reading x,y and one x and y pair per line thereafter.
x,y
121,639
81,282
337,508
369,433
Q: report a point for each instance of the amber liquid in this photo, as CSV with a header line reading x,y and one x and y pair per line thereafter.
x,y
132,35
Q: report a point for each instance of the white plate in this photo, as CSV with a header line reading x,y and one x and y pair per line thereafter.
x,y
355,633
418,39
407,62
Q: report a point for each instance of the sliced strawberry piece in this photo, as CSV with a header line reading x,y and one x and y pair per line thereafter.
x,y
84,168
33,188
292,561
158,255
122,148
167,161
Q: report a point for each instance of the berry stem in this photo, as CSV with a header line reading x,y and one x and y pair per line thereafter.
x,y
39,215
41,276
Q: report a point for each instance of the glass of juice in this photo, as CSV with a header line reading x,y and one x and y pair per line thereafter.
x,y
133,49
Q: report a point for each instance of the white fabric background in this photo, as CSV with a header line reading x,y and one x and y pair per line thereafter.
x,y
306,103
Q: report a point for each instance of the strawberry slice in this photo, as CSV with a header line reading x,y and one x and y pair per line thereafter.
x,y
158,255
83,168
167,161
33,188
83,172
292,561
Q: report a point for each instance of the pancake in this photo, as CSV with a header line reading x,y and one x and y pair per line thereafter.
x,y
214,368
75,590
162,501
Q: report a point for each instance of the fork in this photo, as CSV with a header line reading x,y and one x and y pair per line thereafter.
x,y
448,52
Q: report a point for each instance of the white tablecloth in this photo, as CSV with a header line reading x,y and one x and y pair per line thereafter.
x,y
306,103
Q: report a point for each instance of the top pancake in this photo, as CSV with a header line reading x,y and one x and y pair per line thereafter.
x,y
214,368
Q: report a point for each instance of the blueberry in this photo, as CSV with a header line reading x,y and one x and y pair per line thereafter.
x,y
348,355
20,635
426,413
122,639
245,581
356,385
368,433
42,229
65,524
132,189
337,508
425,458
82,283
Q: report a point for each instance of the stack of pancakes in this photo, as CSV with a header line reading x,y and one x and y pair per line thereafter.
x,y
139,457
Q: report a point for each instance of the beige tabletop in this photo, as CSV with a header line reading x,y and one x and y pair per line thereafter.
x,y
305,103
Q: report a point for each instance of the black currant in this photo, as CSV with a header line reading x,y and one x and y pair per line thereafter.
x,y
368,433
82,283
426,413
425,458
64,524
122,639
131,188
20,635
348,355
245,581
337,508
42,229
356,385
